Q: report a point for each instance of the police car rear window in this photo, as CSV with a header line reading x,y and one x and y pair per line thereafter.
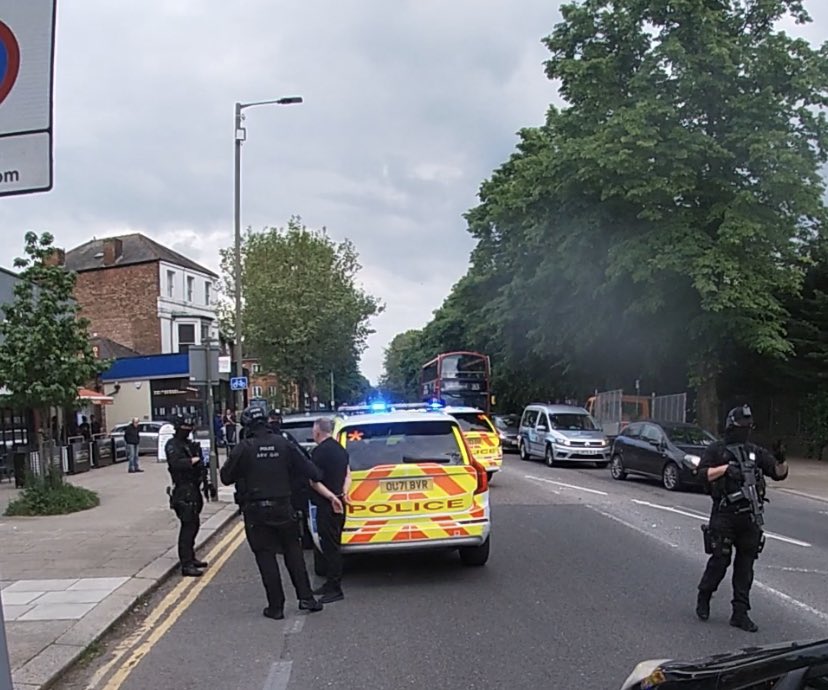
x,y
301,429
473,421
398,443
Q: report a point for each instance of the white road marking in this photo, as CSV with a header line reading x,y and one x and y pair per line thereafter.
x,y
279,676
568,486
793,602
699,516
295,626
634,527
788,569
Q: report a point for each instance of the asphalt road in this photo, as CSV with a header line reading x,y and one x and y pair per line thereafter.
x,y
587,577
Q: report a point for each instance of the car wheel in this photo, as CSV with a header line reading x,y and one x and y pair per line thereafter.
x,y
524,454
489,476
318,563
617,468
475,556
670,477
549,457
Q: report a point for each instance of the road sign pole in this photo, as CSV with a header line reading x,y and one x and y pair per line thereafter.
x,y
211,413
5,665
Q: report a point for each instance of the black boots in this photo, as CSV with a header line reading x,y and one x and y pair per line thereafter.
x,y
703,605
741,620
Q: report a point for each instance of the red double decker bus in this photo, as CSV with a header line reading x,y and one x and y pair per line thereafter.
x,y
458,378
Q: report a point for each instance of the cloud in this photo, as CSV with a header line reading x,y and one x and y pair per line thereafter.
x,y
409,105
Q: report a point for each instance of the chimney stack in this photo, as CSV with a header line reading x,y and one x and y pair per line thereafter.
x,y
57,257
113,248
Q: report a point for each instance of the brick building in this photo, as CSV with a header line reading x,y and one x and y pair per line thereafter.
x,y
265,385
143,295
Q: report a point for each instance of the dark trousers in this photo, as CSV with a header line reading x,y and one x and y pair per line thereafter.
x,y
732,533
268,539
330,526
189,517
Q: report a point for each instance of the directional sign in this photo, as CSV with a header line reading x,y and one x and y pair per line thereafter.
x,y
224,364
238,383
27,41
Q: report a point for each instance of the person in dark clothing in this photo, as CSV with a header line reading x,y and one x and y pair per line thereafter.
x,y
332,460
300,490
84,429
184,462
735,523
266,463
132,438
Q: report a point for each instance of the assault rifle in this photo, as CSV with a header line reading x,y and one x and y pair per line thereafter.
x,y
749,491
207,488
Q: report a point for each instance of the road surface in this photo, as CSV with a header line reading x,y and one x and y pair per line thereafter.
x,y
587,577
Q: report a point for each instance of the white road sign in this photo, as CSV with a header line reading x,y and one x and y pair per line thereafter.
x,y
224,364
27,43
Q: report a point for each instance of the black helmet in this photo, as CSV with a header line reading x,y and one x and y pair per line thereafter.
x,y
739,417
182,422
253,415
275,413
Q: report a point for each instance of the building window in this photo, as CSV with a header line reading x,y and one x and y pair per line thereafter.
x,y
170,284
257,391
205,332
190,286
256,368
272,391
186,337
207,295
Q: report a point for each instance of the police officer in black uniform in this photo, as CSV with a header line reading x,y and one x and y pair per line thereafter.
x,y
735,522
184,462
267,463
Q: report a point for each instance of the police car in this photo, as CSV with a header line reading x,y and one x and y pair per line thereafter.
x,y
481,436
415,484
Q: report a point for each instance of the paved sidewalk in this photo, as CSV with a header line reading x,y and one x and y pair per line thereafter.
x,y
67,579
806,477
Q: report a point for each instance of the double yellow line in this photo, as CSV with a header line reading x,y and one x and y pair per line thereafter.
x,y
138,644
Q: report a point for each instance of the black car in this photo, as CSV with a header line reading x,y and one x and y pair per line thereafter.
x,y
507,426
784,666
667,451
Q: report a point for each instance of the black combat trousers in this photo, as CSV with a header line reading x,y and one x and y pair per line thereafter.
x,y
271,529
187,503
330,526
729,533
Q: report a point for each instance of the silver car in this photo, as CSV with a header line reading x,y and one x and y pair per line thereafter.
x,y
561,433
300,426
147,433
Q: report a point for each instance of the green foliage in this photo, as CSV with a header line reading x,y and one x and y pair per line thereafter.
x,y
403,361
45,355
815,422
304,313
660,219
51,496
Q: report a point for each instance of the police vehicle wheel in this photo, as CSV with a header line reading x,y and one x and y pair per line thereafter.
x,y
549,457
617,468
318,563
489,476
524,453
670,477
475,556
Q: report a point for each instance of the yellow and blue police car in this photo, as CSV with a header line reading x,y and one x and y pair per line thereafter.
x,y
415,484
481,436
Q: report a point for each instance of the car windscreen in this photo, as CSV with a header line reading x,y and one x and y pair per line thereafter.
x,y
509,421
572,421
397,443
473,421
300,429
689,436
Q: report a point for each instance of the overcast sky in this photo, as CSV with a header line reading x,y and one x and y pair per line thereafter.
x,y
409,105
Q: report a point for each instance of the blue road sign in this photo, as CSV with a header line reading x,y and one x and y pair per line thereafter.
x,y
238,383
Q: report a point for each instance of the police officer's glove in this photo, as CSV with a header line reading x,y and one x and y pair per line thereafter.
x,y
734,471
780,451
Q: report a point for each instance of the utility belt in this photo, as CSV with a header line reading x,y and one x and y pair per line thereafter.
x,y
718,544
274,512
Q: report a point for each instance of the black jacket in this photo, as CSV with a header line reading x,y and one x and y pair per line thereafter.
x,y
186,476
268,466
131,435
717,454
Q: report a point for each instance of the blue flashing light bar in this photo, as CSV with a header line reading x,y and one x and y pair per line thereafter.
x,y
435,404
379,406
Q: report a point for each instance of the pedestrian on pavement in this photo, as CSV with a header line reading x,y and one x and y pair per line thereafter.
x,y
266,462
229,428
132,438
734,470
332,460
184,462
218,428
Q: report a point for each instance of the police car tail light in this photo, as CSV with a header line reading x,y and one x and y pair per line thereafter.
x,y
482,477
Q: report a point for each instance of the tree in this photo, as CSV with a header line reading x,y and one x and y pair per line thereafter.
x,y
401,367
304,314
46,355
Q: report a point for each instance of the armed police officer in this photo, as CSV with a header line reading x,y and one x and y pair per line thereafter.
x,y
186,468
267,463
734,470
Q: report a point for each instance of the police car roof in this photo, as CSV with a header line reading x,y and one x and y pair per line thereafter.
x,y
459,409
307,415
397,417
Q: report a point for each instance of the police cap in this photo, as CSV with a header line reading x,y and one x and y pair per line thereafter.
x,y
183,422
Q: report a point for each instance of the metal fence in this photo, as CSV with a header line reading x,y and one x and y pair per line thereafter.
x,y
670,408
608,411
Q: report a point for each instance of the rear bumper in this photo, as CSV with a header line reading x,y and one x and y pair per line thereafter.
x,y
417,545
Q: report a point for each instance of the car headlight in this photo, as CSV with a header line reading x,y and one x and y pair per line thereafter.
x,y
646,670
692,459
563,441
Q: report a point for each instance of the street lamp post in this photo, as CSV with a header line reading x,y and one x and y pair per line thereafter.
x,y
237,269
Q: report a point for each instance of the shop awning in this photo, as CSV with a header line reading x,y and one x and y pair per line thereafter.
x,y
87,395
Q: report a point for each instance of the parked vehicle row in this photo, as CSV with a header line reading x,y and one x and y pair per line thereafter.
x,y
565,434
